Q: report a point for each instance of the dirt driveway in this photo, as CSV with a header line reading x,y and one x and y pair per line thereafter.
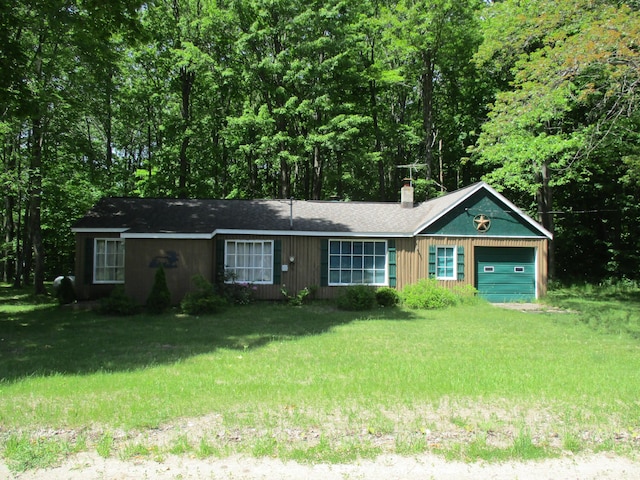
x,y
87,466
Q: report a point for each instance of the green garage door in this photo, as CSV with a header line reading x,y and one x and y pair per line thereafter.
x,y
506,274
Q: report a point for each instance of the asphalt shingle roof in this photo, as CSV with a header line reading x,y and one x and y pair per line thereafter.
x,y
202,216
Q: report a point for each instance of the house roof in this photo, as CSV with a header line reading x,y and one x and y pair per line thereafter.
x,y
204,218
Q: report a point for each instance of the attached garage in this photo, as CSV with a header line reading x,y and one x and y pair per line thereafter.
x,y
506,274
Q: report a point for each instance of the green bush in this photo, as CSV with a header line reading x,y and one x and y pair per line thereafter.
x,y
159,299
426,294
118,303
236,293
466,294
357,297
299,298
204,299
66,294
387,297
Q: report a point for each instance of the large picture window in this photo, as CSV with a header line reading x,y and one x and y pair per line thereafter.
x,y
446,263
357,262
108,265
249,261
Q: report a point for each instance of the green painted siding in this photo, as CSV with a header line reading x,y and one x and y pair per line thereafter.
x,y
460,220
506,274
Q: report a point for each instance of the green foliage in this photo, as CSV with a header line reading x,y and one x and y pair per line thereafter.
x,y
466,294
357,297
387,297
204,299
118,303
236,293
66,292
23,453
301,297
426,294
159,299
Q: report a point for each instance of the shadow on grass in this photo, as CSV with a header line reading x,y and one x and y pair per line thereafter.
x,y
604,308
50,340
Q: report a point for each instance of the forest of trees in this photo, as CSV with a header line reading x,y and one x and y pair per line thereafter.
x,y
322,99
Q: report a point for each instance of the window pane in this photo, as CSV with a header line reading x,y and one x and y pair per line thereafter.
x,y
380,262
380,248
334,247
368,276
346,247
108,260
250,261
345,277
368,248
357,248
334,276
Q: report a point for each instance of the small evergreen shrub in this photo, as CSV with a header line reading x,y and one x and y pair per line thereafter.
x,y
159,299
118,303
387,297
427,294
357,297
204,299
66,293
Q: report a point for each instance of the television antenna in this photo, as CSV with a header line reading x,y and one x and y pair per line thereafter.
x,y
413,166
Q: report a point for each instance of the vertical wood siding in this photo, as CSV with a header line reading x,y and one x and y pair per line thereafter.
x,y
199,257
413,257
194,257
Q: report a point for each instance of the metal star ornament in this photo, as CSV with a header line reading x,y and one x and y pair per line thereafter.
x,y
482,223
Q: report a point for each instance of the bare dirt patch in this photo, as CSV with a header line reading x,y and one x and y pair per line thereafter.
x,y
87,466
532,308
438,427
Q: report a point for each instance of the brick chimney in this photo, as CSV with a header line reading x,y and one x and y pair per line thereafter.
x,y
406,194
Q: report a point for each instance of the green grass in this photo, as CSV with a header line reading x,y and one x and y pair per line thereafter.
x,y
314,383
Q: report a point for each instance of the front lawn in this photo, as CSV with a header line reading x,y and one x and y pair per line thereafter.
x,y
315,383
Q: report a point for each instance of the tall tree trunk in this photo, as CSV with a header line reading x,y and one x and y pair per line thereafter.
x,y
8,270
187,78
109,122
427,109
545,208
35,203
317,174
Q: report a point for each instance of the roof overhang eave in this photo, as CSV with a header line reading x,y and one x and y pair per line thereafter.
x,y
98,230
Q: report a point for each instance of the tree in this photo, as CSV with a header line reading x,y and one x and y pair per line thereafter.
x,y
573,96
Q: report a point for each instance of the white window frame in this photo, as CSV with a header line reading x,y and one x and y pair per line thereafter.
x,y
454,260
356,263
235,261
103,261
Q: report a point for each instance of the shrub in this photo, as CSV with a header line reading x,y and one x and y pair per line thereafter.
x,y
466,294
65,293
357,297
159,299
204,299
118,303
426,294
238,293
300,297
387,297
